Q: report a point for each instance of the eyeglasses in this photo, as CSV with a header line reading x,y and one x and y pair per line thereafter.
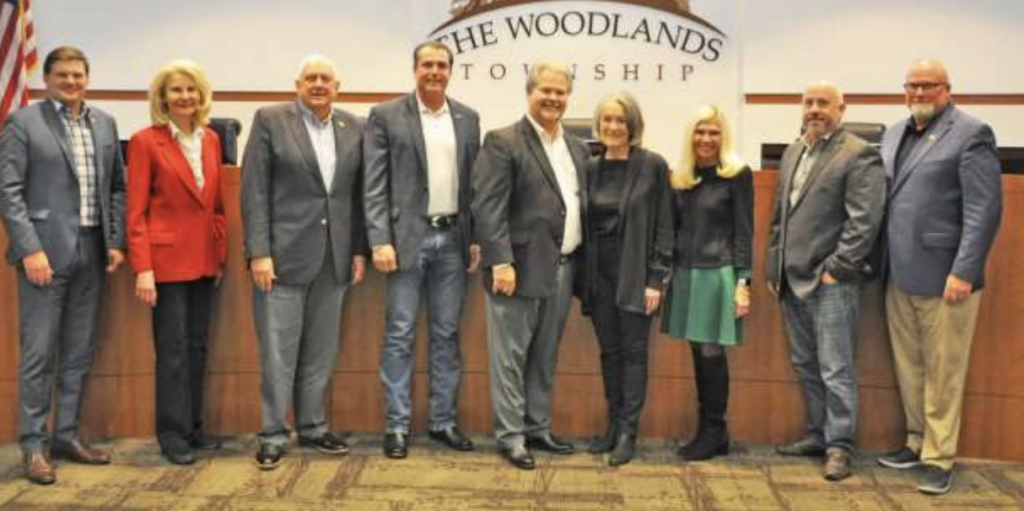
x,y
925,87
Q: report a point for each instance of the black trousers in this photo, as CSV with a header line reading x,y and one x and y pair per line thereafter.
x,y
181,324
623,336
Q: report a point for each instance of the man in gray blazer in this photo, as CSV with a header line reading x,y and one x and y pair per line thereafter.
x,y
302,211
419,150
828,212
945,204
529,200
62,202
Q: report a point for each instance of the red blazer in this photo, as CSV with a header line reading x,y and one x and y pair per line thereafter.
x,y
174,229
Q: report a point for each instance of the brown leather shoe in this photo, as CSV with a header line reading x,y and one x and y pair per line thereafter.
x,y
837,464
38,469
78,452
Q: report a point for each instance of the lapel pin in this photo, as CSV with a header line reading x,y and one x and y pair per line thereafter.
x,y
341,124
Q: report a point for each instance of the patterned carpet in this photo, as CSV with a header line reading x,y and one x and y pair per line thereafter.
x,y
433,478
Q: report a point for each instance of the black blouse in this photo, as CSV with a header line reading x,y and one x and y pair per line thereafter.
x,y
606,195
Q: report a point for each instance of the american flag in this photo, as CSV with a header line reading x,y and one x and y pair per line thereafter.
x,y
17,54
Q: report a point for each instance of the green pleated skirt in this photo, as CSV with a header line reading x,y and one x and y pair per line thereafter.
x,y
700,306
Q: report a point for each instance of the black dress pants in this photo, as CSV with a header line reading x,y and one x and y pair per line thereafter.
x,y
181,324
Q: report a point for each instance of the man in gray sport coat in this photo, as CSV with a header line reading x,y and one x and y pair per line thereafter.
x,y
305,241
529,203
828,212
419,151
945,204
62,201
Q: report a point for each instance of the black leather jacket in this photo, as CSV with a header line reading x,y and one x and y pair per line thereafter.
x,y
714,222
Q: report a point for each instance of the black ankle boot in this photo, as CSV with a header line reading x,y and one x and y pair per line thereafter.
x,y
606,442
625,449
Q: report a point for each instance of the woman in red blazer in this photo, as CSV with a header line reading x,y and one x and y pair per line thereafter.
x,y
177,246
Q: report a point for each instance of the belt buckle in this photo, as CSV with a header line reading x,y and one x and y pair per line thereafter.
x,y
441,221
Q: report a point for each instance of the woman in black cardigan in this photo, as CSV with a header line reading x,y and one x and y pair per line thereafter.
x,y
713,206
628,257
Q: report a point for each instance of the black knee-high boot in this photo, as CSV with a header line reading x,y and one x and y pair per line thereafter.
x,y
713,397
611,374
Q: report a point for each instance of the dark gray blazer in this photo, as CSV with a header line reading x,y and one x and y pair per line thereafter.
x,y
518,212
836,219
645,232
287,211
945,206
396,191
39,194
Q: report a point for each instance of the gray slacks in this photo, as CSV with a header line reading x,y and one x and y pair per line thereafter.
x,y
523,335
58,338
298,329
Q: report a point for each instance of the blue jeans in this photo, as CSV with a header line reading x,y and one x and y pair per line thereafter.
x,y
822,331
439,275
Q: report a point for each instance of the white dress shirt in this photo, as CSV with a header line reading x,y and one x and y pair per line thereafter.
x,y
442,171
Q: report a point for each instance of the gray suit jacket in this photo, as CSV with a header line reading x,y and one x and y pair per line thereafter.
x,y
836,218
396,184
518,211
945,205
287,211
39,194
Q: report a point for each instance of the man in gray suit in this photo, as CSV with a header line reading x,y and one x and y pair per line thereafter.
x,y
305,240
828,212
945,204
419,151
62,202
529,201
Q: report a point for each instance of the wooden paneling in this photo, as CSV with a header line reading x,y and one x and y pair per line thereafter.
x,y
765,407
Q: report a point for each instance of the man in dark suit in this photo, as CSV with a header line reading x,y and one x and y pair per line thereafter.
x,y
419,150
302,211
828,212
62,202
529,201
945,204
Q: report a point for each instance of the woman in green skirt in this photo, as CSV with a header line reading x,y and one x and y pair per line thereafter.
x,y
713,213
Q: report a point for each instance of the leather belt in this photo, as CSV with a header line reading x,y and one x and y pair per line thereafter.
x,y
443,221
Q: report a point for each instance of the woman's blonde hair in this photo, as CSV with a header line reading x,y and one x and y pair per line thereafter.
x,y
158,111
729,163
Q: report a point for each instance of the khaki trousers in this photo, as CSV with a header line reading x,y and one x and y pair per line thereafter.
x,y
931,344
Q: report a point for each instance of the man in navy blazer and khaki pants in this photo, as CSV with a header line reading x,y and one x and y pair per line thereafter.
x,y
305,240
419,151
62,201
945,204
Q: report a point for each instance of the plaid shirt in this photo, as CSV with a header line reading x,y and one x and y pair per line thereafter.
x,y
83,147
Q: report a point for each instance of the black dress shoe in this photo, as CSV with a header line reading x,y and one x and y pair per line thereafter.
x,y
550,443
328,443
453,438
519,456
396,445
268,457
